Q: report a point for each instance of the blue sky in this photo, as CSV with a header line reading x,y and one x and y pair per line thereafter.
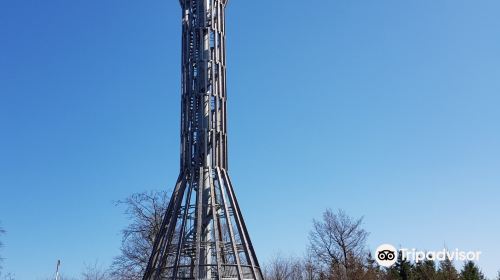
x,y
387,109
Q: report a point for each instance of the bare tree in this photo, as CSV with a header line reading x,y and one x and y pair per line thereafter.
x,y
338,243
95,272
145,212
281,268
311,269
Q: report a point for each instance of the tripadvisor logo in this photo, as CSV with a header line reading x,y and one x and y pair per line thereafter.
x,y
387,255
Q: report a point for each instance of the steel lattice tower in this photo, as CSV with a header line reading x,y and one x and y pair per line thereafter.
x,y
203,235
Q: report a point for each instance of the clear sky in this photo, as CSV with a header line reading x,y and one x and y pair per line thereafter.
x,y
388,109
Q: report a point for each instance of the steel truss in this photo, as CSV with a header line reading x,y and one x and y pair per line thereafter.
x,y
203,235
